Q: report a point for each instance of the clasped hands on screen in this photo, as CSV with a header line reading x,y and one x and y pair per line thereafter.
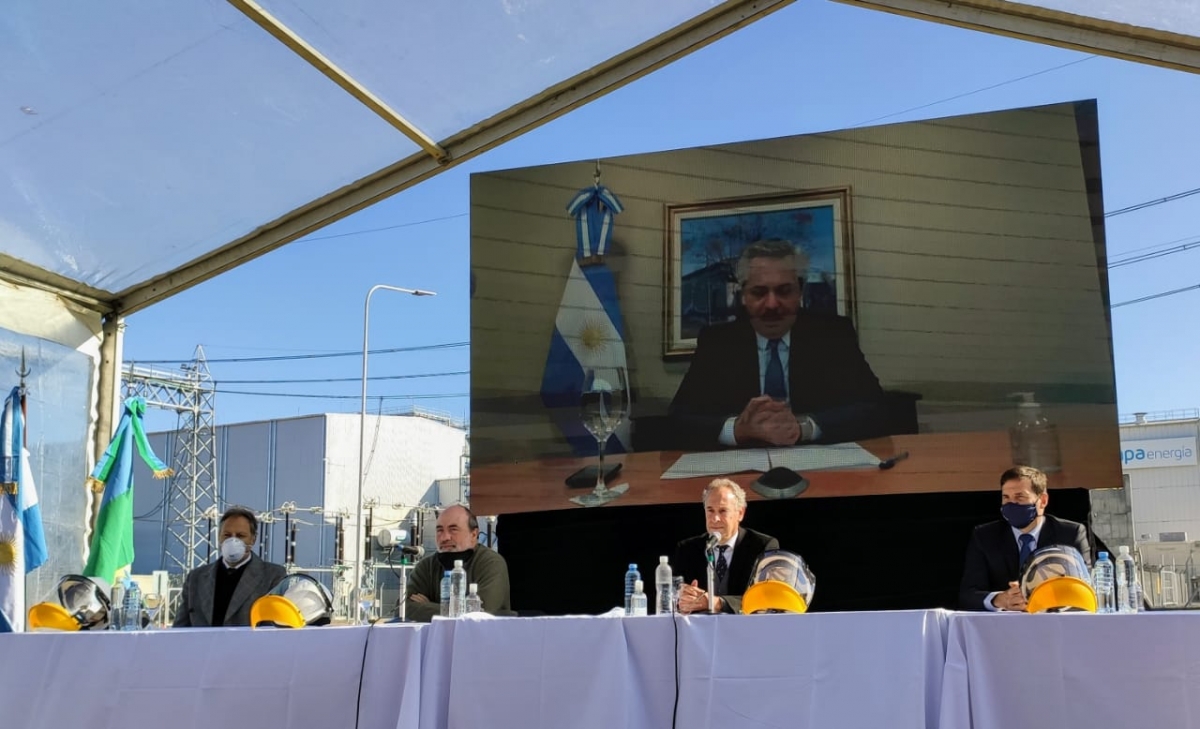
x,y
767,420
693,599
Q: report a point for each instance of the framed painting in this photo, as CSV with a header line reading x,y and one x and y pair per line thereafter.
x,y
704,241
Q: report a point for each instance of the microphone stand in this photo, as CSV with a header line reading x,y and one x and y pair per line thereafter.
x,y
712,580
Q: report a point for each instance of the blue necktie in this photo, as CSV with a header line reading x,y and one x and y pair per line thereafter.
x,y
722,569
1026,547
773,384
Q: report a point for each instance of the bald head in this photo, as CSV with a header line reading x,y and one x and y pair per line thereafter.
x,y
457,530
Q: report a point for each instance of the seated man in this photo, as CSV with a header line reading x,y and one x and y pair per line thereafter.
x,y
999,549
221,593
780,375
737,550
457,538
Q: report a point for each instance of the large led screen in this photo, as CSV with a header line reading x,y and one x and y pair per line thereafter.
x,y
896,309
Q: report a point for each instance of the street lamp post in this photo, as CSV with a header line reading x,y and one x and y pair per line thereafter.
x,y
362,433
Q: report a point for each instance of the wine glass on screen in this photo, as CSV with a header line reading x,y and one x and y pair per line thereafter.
x,y
603,404
152,603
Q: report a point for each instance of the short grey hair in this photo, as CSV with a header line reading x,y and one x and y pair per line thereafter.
x,y
739,494
770,248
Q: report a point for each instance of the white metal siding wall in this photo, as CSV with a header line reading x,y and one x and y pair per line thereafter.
x,y
1164,499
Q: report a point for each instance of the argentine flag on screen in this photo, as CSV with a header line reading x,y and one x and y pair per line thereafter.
x,y
588,330
22,543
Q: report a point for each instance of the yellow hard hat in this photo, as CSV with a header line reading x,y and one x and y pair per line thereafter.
x,y
298,601
79,603
1057,579
782,582
51,616
275,610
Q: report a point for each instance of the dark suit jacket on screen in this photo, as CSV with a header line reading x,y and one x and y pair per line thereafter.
x,y
691,563
993,556
829,379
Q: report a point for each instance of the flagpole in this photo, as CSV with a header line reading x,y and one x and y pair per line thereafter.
x,y
362,439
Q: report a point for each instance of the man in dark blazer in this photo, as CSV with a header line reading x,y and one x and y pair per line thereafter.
x,y
779,375
998,550
221,593
736,551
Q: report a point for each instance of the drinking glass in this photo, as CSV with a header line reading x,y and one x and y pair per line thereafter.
x,y
603,404
152,603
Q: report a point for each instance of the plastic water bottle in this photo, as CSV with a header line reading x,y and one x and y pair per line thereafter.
x,y
664,605
132,609
446,594
637,601
1103,578
458,589
1127,581
474,603
631,575
117,607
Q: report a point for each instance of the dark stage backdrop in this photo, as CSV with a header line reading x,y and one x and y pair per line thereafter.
x,y
868,552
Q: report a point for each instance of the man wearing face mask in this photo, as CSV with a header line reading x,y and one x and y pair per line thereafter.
x,y
221,593
457,539
999,549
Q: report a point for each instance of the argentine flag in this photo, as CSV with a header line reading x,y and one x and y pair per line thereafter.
x,y
22,543
588,330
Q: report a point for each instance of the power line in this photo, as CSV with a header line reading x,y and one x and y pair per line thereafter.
x,y
323,355
1159,295
387,227
1157,254
1152,203
435,396
344,379
976,91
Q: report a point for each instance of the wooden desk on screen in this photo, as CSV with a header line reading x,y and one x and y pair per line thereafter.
x,y
937,462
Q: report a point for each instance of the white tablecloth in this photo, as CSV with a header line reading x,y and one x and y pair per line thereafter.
x,y
819,670
184,679
391,678
1072,671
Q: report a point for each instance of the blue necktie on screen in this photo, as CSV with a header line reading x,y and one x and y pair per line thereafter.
x,y
773,383
1026,548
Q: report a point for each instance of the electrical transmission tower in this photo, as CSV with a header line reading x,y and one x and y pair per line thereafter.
x,y
191,498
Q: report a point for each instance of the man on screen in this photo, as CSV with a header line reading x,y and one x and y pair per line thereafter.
x,y
779,375
737,550
999,549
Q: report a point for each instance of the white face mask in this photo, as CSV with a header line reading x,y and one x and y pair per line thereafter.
x,y
233,550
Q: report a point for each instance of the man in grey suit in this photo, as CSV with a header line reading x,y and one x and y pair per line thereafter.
x,y
221,593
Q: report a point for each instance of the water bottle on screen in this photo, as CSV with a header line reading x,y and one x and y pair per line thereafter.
x,y
458,589
662,586
1127,581
132,609
637,601
1102,580
631,575
446,594
474,603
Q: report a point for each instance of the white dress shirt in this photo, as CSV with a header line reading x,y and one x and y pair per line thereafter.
x,y
1017,533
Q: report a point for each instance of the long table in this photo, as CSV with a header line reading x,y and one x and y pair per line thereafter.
x,y
919,669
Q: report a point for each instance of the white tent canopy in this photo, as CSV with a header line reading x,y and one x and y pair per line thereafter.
x,y
149,146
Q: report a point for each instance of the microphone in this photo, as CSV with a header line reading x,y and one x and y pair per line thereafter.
x,y
418,550
714,538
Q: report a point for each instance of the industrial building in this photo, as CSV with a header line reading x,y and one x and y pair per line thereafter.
x,y
301,476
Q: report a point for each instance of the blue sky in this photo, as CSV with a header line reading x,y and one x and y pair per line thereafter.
x,y
813,66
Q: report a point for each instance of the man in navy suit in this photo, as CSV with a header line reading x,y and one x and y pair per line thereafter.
x,y
779,375
999,549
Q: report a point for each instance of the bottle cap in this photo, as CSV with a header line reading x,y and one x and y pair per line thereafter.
x,y
474,588
446,573
1123,549
633,567
637,586
662,560
457,563
1103,555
